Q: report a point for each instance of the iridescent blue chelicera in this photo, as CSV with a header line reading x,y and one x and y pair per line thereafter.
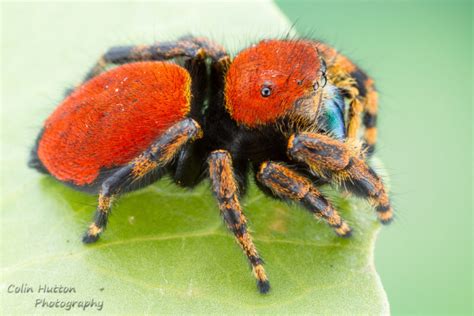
x,y
332,118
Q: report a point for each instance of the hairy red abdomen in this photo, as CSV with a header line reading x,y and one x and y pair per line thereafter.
x,y
112,118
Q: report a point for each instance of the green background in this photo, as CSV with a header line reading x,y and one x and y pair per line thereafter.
x,y
420,54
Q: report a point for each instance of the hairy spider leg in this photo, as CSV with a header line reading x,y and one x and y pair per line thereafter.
x,y
224,187
288,184
187,46
340,164
157,156
370,116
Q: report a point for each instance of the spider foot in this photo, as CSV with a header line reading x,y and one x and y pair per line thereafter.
x,y
263,286
92,234
344,230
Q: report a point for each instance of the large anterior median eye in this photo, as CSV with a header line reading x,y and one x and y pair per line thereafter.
x,y
316,86
321,83
266,91
324,80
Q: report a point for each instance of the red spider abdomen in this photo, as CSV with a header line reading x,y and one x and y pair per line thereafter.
x,y
112,118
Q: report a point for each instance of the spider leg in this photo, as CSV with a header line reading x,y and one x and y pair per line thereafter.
x,y
340,164
370,116
363,100
157,156
355,111
192,47
287,184
224,187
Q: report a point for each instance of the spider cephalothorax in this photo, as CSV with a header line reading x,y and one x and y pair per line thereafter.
x,y
278,107
268,80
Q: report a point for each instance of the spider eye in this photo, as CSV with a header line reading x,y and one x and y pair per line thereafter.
x,y
324,80
316,86
266,92
321,83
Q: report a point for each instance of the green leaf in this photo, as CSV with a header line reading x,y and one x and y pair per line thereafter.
x,y
166,249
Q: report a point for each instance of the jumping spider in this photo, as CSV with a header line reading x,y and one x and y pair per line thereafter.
x,y
289,110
